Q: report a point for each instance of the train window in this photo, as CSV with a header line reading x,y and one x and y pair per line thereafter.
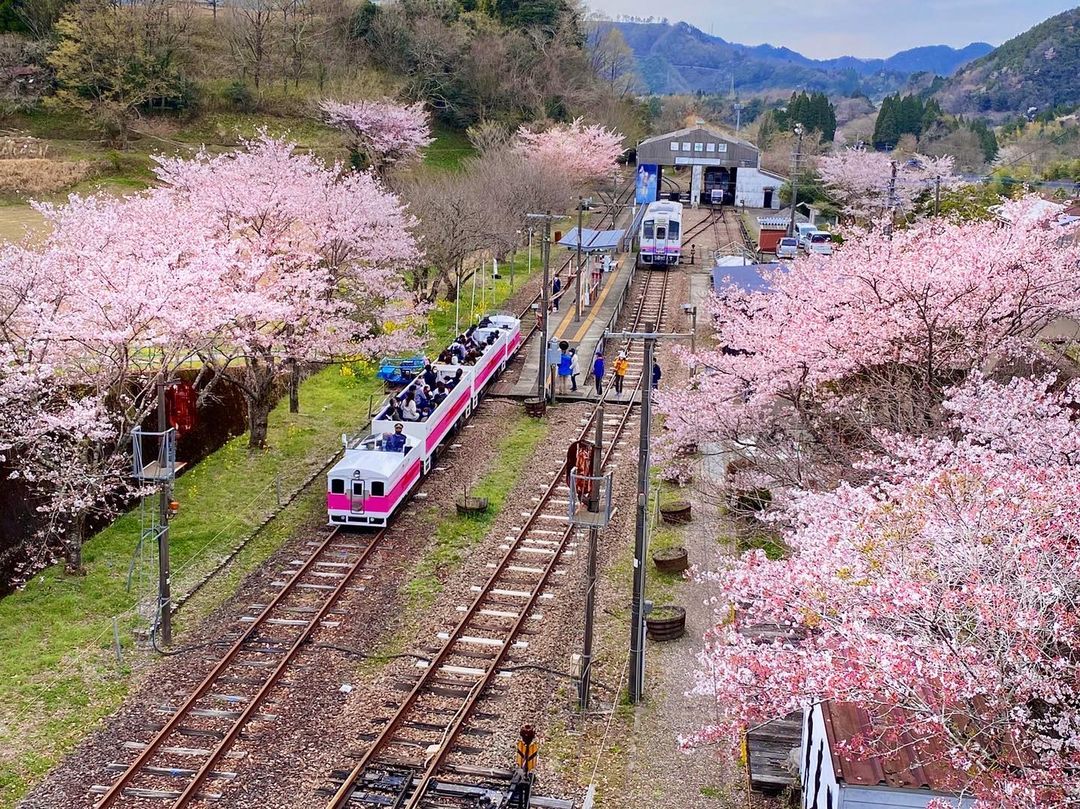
x,y
378,488
358,488
647,230
337,486
673,230
661,233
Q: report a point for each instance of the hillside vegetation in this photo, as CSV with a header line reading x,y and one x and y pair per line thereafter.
x,y
1037,69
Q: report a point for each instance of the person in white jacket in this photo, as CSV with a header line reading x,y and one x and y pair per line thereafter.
x,y
574,369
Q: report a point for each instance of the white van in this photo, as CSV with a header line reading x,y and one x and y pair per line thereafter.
x,y
803,229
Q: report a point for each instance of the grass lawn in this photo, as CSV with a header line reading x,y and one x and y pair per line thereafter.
x,y
455,534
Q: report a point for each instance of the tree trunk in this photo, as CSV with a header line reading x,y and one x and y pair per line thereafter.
x,y
258,422
258,393
73,561
294,385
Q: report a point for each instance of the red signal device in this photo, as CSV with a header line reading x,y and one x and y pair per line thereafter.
x,y
180,406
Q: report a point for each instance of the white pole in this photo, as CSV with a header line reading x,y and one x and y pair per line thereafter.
x,y
472,303
457,308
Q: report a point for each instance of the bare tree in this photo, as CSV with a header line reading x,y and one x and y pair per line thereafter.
x,y
253,38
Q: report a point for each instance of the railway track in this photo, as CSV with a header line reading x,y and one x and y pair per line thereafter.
x,y
701,227
180,763
410,764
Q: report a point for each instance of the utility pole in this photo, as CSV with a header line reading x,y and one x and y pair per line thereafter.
x,y
637,608
590,592
164,573
892,201
545,303
796,155
937,195
577,277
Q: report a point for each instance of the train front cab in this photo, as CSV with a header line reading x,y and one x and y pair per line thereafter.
x,y
369,483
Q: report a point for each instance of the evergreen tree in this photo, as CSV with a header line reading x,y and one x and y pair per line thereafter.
x,y
887,127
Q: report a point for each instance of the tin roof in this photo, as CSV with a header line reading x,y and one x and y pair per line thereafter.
x,y
592,240
913,765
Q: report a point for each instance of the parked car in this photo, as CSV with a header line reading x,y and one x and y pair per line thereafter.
x,y
802,230
787,247
818,242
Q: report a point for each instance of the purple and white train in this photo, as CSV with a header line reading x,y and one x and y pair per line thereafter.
x,y
370,483
660,237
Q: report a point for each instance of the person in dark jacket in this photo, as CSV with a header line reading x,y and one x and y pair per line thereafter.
x,y
395,441
556,288
598,372
655,375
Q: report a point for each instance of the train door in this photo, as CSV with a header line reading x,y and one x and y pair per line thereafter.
x,y
357,497
647,248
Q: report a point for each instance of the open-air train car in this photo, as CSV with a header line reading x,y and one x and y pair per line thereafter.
x,y
369,483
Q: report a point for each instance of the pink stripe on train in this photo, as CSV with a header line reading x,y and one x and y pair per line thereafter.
x,y
377,506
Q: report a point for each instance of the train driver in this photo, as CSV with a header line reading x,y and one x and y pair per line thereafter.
x,y
395,441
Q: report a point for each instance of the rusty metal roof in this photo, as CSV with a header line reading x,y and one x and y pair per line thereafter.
x,y
914,765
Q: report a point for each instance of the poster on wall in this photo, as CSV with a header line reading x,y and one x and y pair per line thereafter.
x,y
646,184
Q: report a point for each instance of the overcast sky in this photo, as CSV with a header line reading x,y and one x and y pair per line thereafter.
x,y
867,28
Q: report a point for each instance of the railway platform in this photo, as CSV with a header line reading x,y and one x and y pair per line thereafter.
x,y
584,334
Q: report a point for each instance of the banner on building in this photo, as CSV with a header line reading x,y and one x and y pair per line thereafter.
x,y
646,184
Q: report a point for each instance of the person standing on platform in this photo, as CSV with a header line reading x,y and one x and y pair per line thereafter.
x,y
565,363
598,372
556,288
655,375
575,369
620,367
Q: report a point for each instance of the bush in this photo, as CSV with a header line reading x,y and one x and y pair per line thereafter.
x,y
240,96
34,176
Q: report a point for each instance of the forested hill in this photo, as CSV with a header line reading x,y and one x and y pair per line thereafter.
x,y
1039,68
678,58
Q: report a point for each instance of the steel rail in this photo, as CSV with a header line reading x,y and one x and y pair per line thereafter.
x,y
170,727
344,793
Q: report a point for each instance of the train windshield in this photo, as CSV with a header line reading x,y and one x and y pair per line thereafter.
x,y
647,229
673,230
661,233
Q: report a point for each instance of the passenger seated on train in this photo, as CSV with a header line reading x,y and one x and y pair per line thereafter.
x,y
431,376
452,383
445,357
457,348
485,321
421,398
492,338
440,394
409,410
395,441
393,412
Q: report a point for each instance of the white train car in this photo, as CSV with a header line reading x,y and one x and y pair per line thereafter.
x,y
370,482
660,237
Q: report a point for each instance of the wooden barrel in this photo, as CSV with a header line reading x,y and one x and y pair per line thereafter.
x,y
535,407
677,513
472,505
671,560
666,622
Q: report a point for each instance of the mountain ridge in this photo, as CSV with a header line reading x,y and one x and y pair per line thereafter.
x,y
678,58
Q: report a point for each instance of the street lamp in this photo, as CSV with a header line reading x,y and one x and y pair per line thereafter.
x,y
795,177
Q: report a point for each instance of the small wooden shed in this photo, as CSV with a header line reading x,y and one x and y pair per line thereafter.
x,y
771,229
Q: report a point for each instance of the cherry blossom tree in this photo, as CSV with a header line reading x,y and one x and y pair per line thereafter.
x,y
807,373
314,263
938,596
380,133
91,317
859,179
583,152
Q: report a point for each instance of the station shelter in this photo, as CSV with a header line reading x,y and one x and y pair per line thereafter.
x,y
598,248
725,170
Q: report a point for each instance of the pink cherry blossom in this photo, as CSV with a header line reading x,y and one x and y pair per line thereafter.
x,y
583,152
382,132
859,179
